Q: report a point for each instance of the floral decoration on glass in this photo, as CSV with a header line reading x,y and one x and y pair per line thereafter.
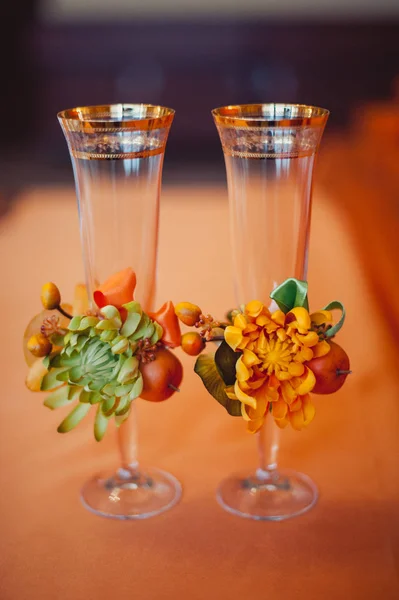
x,y
268,362
104,358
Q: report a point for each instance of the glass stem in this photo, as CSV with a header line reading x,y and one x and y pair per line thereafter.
x,y
128,441
268,446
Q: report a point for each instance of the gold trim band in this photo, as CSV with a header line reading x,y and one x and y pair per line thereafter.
x,y
116,117
255,116
99,156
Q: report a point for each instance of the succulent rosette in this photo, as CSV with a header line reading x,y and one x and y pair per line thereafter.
x,y
269,360
97,357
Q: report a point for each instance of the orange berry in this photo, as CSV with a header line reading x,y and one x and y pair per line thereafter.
x,y
50,296
192,343
39,345
188,313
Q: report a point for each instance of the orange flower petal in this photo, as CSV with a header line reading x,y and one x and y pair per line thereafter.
x,y
255,426
298,317
304,354
308,381
240,321
297,404
242,371
233,336
243,344
282,423
296,369
321,317
288,393
321,349
254,308
278,317
262,320
243,397
249,358
117,290
250,328
273,382
297,419
281,334
279,409
229,391
283,376
308,409
309,340
167,319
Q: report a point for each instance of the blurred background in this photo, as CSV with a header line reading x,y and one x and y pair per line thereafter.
x,y
192,56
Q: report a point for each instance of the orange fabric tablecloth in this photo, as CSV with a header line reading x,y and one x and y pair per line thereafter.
x,y
51,548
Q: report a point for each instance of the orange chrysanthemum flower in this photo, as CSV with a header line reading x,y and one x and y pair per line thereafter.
x,y
271,372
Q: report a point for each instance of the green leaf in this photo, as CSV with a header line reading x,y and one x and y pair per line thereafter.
x,y
46,361
137,388
122,390
108,405
291,293
335,304
87,322
75,373
58,398
139,333
57,339
74,392
133,307
124,406
100,424
158,333
225,360
120,345
85,396
119,419
67,361
74,418
63,376
128,370
130,325
74,323
95,397
108,336
205,367
51,381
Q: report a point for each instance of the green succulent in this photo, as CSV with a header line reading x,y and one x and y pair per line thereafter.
x,y
97,366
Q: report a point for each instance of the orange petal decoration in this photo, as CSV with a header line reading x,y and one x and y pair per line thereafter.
x,y
169,322
117,290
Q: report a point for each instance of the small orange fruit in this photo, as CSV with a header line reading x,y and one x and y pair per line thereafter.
x,y
161,377
192,343
330,370
188,313
39,345
50,296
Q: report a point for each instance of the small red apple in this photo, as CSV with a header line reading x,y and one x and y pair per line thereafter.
x,y
161,376
330,370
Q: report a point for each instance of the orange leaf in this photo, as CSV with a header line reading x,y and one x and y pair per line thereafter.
x,y
117,290
169,322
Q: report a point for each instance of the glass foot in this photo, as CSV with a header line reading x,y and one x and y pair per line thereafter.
x,y
268,495
131,494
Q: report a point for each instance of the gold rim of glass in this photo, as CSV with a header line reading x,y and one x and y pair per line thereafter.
x,y
270,115
116,117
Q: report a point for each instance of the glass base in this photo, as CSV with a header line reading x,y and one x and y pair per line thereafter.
x,y
131,494
268,495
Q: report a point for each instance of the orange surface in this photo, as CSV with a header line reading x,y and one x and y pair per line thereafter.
x,y
347,547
